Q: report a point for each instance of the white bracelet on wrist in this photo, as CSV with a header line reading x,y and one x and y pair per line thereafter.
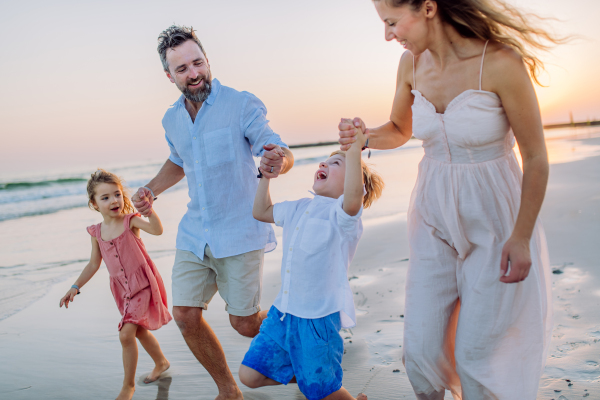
x,y
151,192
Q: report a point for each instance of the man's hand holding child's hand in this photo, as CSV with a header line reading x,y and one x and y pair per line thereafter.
x,y
142,201
273,161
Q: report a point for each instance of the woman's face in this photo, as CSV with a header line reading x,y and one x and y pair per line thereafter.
x,y
407,26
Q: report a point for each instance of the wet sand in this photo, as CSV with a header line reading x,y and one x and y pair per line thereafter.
x,y
52,353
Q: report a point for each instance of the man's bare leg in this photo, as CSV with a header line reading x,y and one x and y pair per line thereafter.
x,y
205,346
248,326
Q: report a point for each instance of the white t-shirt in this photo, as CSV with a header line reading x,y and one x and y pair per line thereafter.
x,y
319,242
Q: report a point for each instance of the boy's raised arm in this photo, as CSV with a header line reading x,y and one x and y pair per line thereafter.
x,y
353,182
263,206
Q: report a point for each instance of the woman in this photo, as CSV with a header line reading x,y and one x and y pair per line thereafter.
x,y
478,306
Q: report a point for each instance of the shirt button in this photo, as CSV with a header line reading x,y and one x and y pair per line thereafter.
x,y
290,249
199,185
206,230
196,161
127,297
116,255
194,137
288,271
202,208
121,269
111,243
285,292
297,228
126,282
307,212
278,222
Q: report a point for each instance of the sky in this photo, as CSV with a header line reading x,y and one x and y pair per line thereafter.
x,y
82,85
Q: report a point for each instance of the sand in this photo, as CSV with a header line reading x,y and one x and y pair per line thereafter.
x,y
52,353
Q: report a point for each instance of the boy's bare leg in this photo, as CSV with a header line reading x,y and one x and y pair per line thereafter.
x,y
205,346
130,358
150,344
343,394
254,379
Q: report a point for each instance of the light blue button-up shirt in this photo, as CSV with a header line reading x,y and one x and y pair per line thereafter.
x,y
215,152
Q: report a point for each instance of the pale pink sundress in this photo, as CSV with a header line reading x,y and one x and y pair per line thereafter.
x,y
463,209
135,283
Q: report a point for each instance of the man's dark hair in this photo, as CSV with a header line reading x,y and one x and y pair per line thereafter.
x,y
172,37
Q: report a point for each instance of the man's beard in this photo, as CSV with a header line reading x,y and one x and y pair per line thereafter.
x,y
199,95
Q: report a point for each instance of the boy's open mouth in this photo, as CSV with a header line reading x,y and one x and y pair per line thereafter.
x,y
321,175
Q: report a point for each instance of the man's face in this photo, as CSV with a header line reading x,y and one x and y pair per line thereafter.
x,y
189,71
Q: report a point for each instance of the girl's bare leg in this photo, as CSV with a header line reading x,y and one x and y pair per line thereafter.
x,y
343,394
130,358
150,344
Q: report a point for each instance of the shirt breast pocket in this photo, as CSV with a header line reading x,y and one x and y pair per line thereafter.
x,y
316,236
218,147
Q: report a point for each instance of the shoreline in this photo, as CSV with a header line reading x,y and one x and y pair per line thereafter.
x,y
56,353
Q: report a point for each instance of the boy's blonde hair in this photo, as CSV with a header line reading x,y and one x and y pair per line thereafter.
x,y
373,181
102,176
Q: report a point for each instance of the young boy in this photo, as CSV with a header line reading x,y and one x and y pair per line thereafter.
x,y
300,337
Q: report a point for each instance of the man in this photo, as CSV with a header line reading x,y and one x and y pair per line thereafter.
x,y
213,131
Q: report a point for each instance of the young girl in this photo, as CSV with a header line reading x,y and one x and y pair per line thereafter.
x,y
300,336
134,280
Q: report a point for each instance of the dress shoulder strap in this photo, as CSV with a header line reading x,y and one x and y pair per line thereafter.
x,y
414,78
127,219
94,230
481,68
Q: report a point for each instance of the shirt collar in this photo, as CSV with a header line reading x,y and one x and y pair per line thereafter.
x,y
316,196
216,85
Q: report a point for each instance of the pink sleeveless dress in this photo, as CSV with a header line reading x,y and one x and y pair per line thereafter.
x,y
464,330
135,283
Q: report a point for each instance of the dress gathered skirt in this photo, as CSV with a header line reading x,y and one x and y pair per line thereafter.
x,y
135,283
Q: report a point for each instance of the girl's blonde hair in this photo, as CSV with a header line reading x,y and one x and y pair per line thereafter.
x,y
102,176
495,20
372,180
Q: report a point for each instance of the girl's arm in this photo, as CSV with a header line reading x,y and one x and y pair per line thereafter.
x,y
353,181
510,80
263,206
90,269
398,130
153,226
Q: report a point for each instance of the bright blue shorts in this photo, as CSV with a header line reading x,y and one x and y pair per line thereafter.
x,y
310,349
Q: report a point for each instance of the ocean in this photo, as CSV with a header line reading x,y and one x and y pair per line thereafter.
x,y
43,215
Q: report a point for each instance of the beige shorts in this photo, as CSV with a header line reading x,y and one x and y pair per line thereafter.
x,y
237,278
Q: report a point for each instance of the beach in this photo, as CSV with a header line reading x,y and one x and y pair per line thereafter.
x,y
53,353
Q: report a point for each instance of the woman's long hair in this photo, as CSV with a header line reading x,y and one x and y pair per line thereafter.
x,y
495,20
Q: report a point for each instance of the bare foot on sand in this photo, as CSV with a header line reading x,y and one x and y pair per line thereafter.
x,y
361,396
126,393
233,394
158,369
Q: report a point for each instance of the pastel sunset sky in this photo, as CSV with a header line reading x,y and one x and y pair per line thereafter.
x,y
82,84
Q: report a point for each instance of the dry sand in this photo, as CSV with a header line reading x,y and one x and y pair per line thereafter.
x,y
51,353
